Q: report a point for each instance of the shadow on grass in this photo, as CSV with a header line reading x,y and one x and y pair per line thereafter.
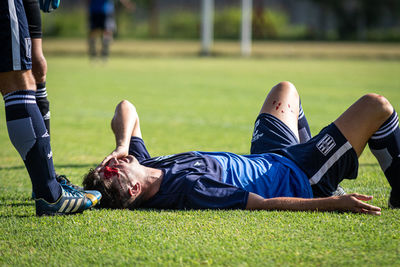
x,y
15,205
86,165
16,216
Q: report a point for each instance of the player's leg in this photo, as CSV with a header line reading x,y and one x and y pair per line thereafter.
x,y
302,125
94,32
283,103
108,32
372,119
106,40
25,124
39,70
39,64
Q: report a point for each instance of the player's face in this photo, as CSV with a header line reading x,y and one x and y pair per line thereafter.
x,y
119,174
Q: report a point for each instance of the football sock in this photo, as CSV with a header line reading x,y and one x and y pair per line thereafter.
x,y
304,128
92,47
385,145
43,104
105,47
29,136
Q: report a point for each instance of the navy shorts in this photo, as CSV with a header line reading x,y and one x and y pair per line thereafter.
x,y
102,21
326,159
15,42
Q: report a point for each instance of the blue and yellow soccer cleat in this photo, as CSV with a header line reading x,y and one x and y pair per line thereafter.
x,y
62,179
71,201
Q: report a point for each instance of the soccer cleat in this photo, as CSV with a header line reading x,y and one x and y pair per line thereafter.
x,y
339,191
71,201
394,201
62,179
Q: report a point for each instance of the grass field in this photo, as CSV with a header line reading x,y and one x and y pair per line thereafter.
x,y
189,103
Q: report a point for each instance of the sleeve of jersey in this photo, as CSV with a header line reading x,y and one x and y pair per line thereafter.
x,y
138,149
208,193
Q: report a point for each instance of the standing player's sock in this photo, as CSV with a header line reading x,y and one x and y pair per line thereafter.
x,y
43,103
385,145
92,47
29,136
304,129
105,47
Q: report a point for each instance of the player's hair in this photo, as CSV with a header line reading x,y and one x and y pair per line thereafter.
x,y
111,198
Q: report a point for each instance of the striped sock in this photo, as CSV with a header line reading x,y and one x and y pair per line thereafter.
x,y
385,145
43,104
29,136
304,128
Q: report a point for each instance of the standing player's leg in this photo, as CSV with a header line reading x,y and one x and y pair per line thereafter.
x,y
109,27
39,64
25,124
372,119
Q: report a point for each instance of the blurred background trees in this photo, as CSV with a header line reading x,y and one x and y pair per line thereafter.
x,y
361,20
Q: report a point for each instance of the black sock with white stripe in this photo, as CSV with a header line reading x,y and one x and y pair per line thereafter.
x,y
43,103
385,145
29,136
304,128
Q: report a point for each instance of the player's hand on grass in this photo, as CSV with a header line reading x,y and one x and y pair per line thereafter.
x,y
355,203
49,5
119,152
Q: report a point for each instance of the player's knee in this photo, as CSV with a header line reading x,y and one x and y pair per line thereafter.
x,y
287,88
125,104
378,103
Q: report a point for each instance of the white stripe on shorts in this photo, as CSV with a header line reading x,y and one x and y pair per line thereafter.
x,y
14,36
329,163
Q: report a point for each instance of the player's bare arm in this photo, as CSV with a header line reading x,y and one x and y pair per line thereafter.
x,y
350,202
124,124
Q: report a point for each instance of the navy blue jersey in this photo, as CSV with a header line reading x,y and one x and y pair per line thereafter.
x,y
101,6
201,180
268,175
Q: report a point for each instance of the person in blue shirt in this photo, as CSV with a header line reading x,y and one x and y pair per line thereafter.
x,y
286,170
102,23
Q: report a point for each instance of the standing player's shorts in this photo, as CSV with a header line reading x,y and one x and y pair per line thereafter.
x,y
102,21
32,11
15,42
326,159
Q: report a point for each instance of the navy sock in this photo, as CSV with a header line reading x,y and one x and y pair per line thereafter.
x,y
385,145
29,136
43,103
304,128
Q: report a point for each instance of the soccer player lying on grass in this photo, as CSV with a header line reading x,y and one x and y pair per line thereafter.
x,y
281,173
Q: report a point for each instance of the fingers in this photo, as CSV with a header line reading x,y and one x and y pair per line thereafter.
x,y
362,197
105,160
362,207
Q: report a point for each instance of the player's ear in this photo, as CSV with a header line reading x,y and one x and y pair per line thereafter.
x,y
135,190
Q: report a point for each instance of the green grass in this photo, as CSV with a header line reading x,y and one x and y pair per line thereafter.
x,y
194,104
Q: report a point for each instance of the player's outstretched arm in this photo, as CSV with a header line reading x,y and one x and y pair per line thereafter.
x,y
350,202
124,124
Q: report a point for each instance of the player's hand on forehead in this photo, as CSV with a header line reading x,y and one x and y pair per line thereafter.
x,y
119,152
